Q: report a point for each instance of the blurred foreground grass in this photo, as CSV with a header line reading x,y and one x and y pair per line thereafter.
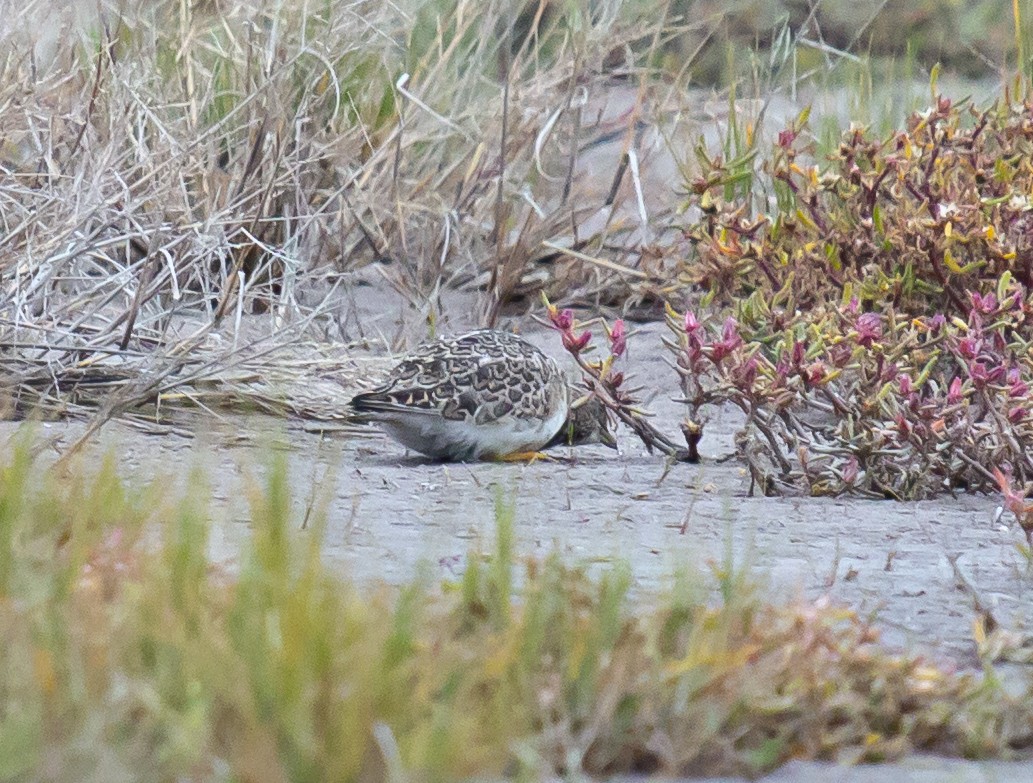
x,y
128,656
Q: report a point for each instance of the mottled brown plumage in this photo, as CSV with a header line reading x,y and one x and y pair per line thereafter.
x,y
483,395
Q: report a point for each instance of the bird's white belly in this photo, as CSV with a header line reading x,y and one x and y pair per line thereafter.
x,y
443,438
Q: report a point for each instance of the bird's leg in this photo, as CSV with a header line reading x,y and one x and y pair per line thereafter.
x,y
530,457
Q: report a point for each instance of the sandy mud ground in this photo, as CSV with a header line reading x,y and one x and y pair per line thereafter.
x,y
392,514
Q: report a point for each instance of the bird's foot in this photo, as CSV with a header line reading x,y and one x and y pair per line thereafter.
x,y
529,457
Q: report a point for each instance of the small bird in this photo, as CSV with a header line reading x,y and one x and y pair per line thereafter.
x,y
484,395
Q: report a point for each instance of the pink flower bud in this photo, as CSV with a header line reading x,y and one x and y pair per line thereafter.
x,y
563,320
730,333
816,373
969,347
903,425
691,324
984,304
869,328
850,470
576,343
730,340
979,374
748,372
799,353
954,392
618,338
